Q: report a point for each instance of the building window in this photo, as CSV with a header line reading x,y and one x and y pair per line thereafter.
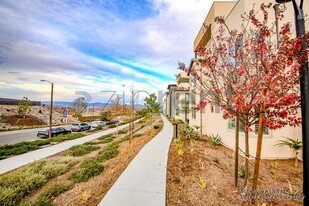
x,y
232,125
177,112
193,82
193,112
187,98
265,129
193,99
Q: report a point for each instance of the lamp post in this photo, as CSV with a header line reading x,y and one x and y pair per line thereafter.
x,y
123,99
51,106
304,92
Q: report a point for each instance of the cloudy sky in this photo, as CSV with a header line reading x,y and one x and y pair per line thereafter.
x,y
94,45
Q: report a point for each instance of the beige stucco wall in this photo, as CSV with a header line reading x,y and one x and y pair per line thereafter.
x,y
219,8
234,20
215,124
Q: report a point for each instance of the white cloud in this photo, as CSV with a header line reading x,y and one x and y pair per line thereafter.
x,y
82,46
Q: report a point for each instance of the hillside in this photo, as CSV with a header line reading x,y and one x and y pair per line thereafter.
x,y
39,115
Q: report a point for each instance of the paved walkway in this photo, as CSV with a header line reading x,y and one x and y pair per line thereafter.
x,y
144,180
21,160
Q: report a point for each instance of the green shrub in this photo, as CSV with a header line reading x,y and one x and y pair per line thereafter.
x,y
23,147
137,135
89,168
17,184
105,136
55,190
215,140
53,168
64,137
112,126
122,132
14,187
216,160
97,128
80,150
107,140
126,138
156,126
242,172
109,152
43,201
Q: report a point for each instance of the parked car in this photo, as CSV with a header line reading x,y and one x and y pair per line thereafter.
x,y
95,124
54,132
79,127
111,122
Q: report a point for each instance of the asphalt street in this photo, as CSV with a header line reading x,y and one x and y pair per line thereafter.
x,y
12,137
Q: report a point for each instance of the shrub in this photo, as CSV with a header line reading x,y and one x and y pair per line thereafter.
x,y
64,137
215,140
21,148
180,152
80,150
105,136
242,172
126,138
17,184
97,128
55,190
109,152
14,187
89,168
156,126
137,135
122,132
43,201
216,160
112,126
202,183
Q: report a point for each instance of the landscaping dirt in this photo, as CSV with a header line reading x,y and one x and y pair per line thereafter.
x,y
91,192
20,121
205,176
39,115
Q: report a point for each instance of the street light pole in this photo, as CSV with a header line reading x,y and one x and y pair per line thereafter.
x,y
51,106
304,91
123,99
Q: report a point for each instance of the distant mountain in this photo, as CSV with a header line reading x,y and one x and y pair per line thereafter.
x,y
91,104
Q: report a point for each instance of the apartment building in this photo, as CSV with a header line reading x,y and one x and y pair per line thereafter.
x,y
176,103
211,118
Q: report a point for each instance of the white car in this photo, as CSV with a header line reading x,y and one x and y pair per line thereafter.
x,y
95,124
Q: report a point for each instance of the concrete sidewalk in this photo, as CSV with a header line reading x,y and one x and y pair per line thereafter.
x,y
144,180
23,159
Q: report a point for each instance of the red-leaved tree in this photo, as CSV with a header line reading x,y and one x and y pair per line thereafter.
x,y
252,77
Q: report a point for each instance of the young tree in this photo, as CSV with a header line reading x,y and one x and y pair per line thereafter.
x,y
251,78
79,105
116,108
151,104
24,107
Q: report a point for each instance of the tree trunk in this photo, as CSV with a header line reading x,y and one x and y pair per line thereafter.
x,y
259,145
236,150
246,158
258,148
